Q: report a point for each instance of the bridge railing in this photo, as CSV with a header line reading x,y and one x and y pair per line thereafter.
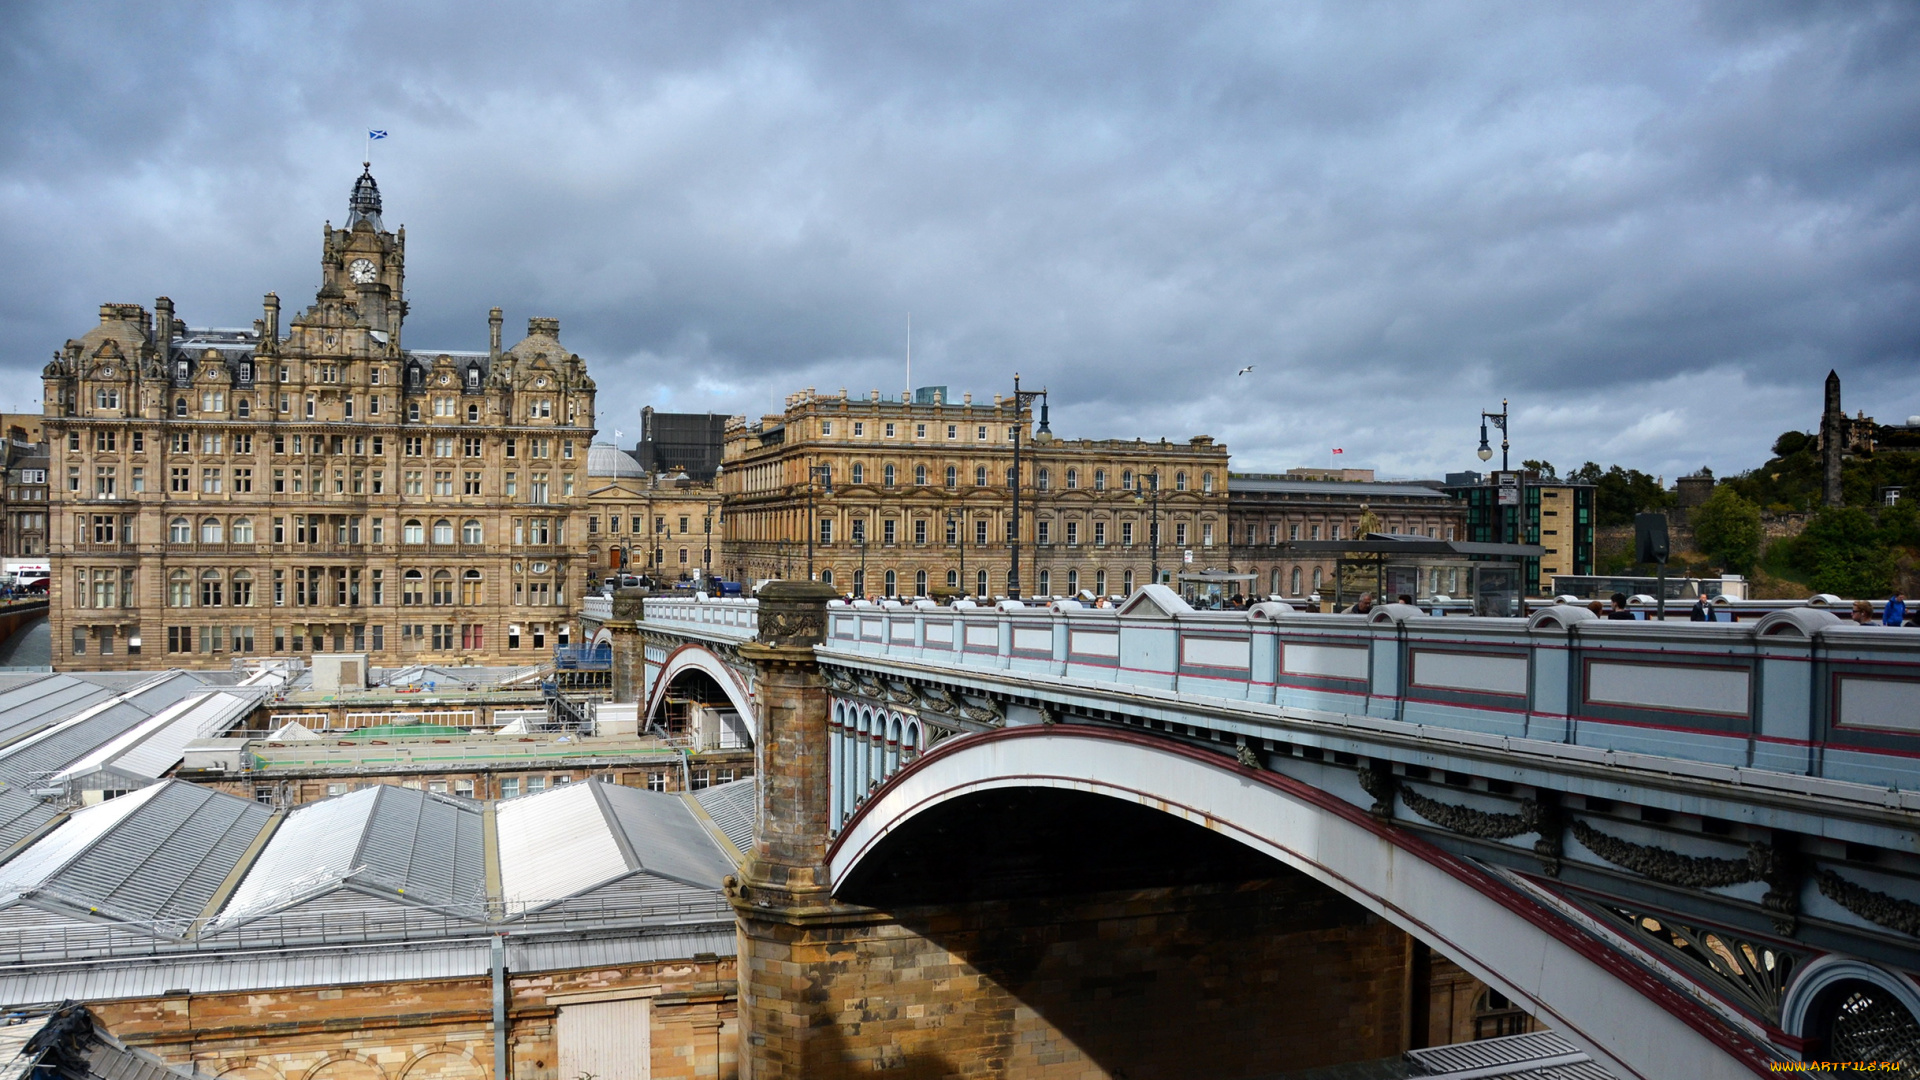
x,y
1797,692
732,617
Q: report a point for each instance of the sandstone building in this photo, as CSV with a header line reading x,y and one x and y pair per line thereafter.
x,y
322,488
1271,514
666,525
916,495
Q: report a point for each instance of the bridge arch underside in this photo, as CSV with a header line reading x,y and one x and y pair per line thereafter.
x,y
692,674
1263,895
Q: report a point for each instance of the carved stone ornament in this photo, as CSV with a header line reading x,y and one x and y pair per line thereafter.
x,y
1470,822
1248,756
1876,907
839,680
935,700
794,613
991,714
1377,780
897,695
1671,867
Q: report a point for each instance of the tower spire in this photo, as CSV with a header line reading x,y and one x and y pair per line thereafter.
x,y
364,203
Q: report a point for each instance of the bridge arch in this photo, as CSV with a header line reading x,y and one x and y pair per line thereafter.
x,y
691,658
1635,1024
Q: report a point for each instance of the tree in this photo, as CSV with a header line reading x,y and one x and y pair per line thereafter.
x,y
1728,529
1621,493
1544,468
1842,553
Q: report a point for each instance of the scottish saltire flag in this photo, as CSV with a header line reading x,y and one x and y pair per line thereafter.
x,y
376,134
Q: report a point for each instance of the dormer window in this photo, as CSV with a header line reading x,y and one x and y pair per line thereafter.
x,y
415,377
473,377
181,371
246,371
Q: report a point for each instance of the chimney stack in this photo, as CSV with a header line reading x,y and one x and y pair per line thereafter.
x,y
493,334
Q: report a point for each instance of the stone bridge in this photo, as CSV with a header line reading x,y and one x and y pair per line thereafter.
x,y
1057,841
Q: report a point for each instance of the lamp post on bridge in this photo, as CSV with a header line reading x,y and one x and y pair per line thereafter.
x,y
1021,399
1152,499
825,473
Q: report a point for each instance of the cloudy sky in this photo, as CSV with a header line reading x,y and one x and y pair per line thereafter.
x,y
1654,227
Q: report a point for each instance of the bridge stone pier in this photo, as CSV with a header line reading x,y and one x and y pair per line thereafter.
x,y
1021,841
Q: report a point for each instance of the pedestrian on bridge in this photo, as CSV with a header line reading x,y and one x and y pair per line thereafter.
x,y
1620,612
1702,609
1895,613
1863,612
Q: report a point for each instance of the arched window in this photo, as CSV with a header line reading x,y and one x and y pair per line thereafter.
x,y
892,583
413,589
953,579
953,476
243,530
1073,479
244,406
1126,480
1316,579
1099,479
886,476
179,589
1100,582
442,588
1042,479
210,531
1127,583
859,584
1206,482
180,406
413,532
980,583
1073,583
210,588
859,473
470,531
242,589
1274,587
920,476
920,583
443,531
179,531
1046,583
1013,583
1179,481
470,588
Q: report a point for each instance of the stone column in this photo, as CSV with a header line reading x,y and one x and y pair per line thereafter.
x,y
781,896
629,651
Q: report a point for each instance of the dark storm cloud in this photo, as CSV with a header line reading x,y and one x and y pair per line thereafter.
x,y
1653,227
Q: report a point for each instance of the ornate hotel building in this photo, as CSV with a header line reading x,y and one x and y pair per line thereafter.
x,y
913,496
321,488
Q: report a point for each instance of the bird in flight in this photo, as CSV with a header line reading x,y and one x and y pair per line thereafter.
x,y
1246,369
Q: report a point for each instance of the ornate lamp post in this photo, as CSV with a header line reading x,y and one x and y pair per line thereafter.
x,y
1151,499
1021,399
825,473
1498,420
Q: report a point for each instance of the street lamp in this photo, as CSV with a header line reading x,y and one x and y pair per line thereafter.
x,y
1152,480
1021,399
825,473
1498,420
960,540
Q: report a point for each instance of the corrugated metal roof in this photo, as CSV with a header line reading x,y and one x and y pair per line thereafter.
x,y
31,868
734,807
154,976
427,845
155,745
554,845
310,851
28,708
662,831
1536,1055
166,859
78,734
21,815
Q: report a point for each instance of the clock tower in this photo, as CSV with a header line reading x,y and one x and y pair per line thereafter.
x,y
364,266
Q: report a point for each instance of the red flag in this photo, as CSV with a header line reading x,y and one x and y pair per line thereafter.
x,y
1337,450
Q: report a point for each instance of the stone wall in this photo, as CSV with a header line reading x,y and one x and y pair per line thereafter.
x,y
439,1029
1219,981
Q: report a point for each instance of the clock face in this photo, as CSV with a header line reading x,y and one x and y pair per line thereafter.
x,y
361,271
